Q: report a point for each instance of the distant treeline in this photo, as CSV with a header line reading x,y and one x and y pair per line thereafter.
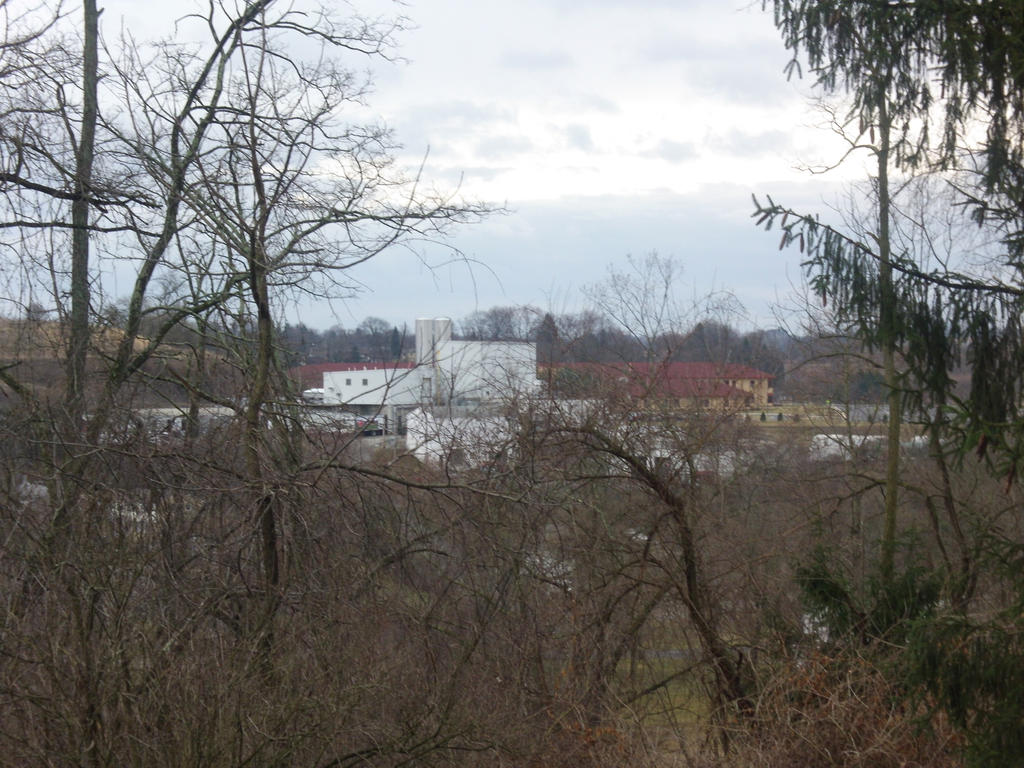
x,y
587,336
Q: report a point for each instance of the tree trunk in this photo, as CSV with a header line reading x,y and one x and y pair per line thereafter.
x,y
266,504
887,327
78,331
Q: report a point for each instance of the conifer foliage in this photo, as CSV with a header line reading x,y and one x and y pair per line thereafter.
x,y
927,72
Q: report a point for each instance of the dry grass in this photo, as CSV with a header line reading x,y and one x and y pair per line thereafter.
x,y
822,712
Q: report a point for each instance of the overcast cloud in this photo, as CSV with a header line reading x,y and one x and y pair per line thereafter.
x,y
605,128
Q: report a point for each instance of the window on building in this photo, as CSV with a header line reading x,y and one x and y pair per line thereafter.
x,y
365,382
348,382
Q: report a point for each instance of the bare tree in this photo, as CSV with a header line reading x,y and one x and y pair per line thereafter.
x,y
79,320
505,323
644,302
232,182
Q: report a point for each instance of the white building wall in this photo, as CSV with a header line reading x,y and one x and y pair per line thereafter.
x,y
374,386
431,333
485,370
448,372
460,441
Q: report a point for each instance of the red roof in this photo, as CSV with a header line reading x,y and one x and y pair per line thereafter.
x,y
313,375
675,370
681,380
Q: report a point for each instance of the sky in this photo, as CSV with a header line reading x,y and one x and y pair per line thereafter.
x,y
602,129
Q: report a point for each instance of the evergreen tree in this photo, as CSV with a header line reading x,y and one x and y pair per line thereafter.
x,y
895,61
396,344
547,341
883,55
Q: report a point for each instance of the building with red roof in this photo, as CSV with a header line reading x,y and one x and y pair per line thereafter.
x,y
684,385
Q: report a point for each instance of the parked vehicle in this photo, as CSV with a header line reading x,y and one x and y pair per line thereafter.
x,y
370,428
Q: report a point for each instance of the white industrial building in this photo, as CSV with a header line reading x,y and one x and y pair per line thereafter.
x,y
457,442
472,372
448,373
373,385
